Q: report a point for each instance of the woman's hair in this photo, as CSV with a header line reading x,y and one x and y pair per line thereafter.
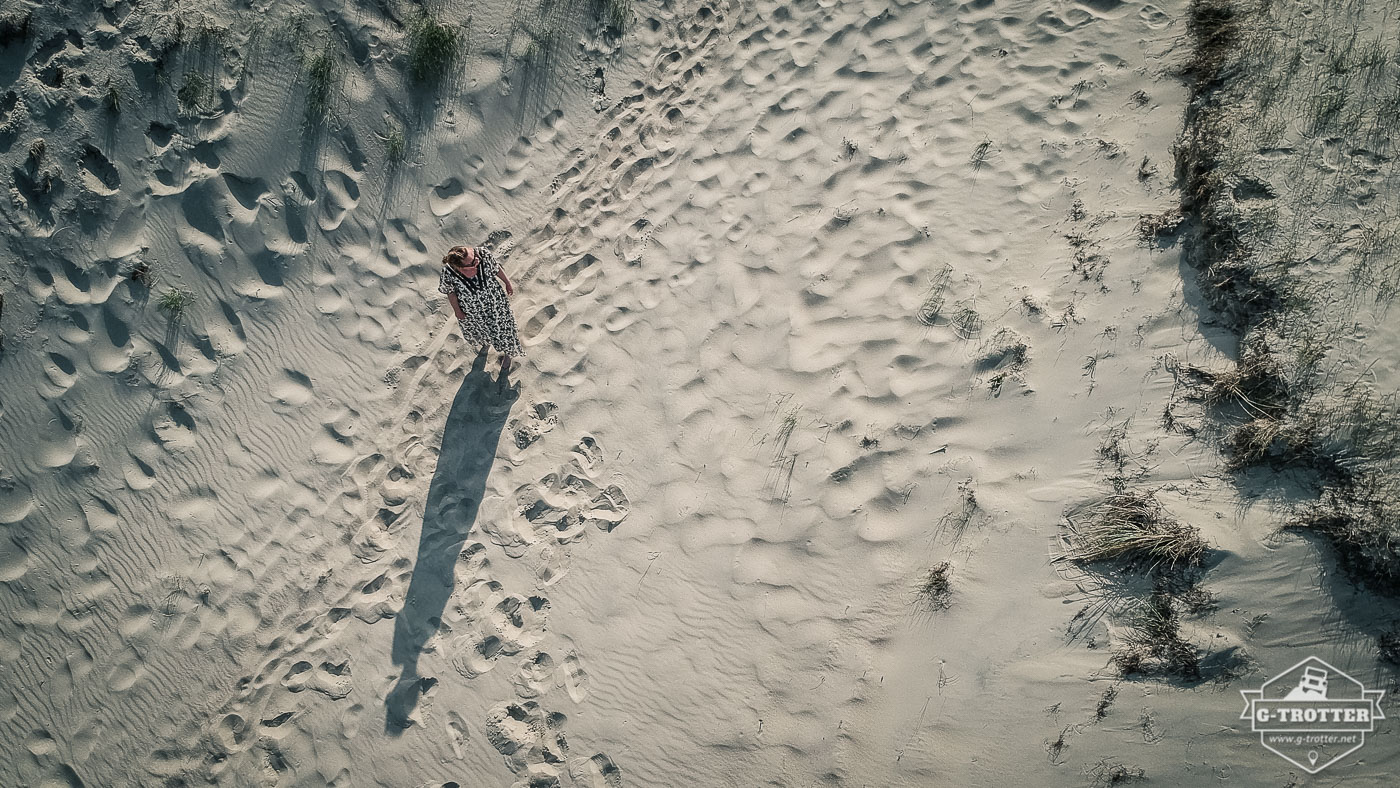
x,y
455,255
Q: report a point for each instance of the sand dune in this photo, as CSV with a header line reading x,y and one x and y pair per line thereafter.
x,y
817,296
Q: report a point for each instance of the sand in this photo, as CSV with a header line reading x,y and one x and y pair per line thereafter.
x,y
817,296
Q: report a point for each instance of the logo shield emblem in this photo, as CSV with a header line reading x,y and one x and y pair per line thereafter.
x,y
1312,714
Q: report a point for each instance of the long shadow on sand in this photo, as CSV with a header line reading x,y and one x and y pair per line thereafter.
x,y
469,439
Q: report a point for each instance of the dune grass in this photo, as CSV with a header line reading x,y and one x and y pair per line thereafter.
x,y
1109,773
1288,268
932,305
433,48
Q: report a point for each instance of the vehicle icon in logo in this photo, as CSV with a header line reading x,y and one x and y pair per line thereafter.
x,y
1312,714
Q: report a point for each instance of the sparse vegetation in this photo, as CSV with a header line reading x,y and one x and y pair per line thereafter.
x,y
174,301
1006,355
1105,703
778,482
1290,269
1005,348
432,49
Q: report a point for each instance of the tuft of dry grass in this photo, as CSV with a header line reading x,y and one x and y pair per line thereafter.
x,y
1154,227
933,299
1362,520
175,301
395,144
1154,644
613,15
955,522
1256,382
194,93
322,76
1108,773
1131,525
935,590
1388,645
966,323
142,273
1214,29
432,49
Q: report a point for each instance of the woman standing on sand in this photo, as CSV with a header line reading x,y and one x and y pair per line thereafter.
x,y
479,303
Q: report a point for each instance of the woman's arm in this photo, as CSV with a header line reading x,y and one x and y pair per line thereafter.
x,y
456,306
505,280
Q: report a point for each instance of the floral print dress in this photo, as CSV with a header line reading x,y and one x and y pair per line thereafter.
x,y
487,317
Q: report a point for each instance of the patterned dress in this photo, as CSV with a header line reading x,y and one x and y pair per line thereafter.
x,y
488,319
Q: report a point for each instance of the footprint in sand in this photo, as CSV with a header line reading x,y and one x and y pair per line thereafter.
x,y
493,624
540,326
291,388
540,418
528,736
598,771
456,734
579,276
562,505
17,501
534,676
341,195
329,678
574,678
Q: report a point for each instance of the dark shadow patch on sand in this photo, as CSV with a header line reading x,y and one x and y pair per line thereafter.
x,y
469,440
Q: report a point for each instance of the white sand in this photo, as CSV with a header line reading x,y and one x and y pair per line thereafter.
x,y
686,551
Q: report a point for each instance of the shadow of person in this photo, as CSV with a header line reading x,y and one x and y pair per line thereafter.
x,y
469,439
